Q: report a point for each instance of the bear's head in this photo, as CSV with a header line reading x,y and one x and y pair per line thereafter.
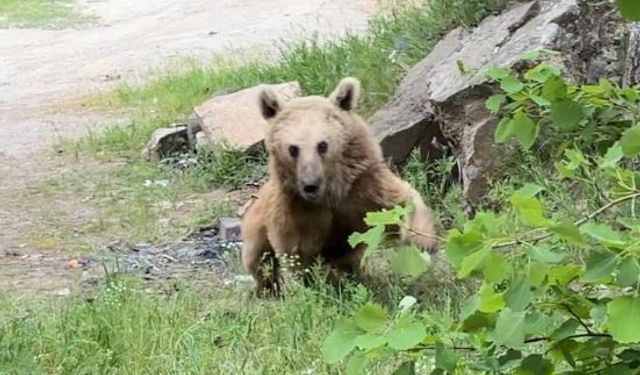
x,y
316,145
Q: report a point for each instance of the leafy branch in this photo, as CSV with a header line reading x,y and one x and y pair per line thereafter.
x,y
590,216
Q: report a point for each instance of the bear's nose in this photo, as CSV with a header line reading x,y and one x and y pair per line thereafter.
x,y
311,188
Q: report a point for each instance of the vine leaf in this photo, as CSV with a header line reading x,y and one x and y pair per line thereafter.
x,y
624,325
340,342
510,328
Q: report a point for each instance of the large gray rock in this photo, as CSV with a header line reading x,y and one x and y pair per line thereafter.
x,y
235,118
438,99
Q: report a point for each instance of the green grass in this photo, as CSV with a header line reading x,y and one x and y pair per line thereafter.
x,y
126,329
39,13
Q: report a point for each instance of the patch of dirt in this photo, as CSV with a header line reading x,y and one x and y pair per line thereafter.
x,y
41,71
193,258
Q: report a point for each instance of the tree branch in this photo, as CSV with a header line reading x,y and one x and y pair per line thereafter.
x,y
579,222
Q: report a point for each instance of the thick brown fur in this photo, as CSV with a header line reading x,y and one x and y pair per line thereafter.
x,y
351,178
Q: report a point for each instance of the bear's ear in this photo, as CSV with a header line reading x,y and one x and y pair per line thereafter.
x,y
269,103
347,93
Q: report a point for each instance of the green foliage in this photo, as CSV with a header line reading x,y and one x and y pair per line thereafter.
x,y
540,102
557,288
629,9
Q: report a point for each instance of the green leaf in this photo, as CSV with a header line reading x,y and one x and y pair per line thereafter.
x,y
630,141
472,319
567,113
371,318
612,157
503,130
604,234
497,73
460,245
473,261
554,89
537,323
529,190
356,364
599,265
598,313
563,275
623,321
372,238
446,359
509,329
409,261
535,364
494,103
542,72
406,336
542,254
369,341
565,330
511,84
340,342
407,368
539,100
529,210
524,130
628,272
569,232
496,267
490,301
386,216
536,273
630,9
518,295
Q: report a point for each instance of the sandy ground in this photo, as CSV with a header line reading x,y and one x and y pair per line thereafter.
x,y
40,69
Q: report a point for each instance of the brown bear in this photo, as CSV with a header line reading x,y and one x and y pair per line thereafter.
x,y
326,171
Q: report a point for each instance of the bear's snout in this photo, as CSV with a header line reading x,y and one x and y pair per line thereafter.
x,y
311,190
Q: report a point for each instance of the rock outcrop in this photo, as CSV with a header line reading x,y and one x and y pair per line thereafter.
x,y
444,95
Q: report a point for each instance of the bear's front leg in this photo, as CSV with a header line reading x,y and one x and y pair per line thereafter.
x,y
258,258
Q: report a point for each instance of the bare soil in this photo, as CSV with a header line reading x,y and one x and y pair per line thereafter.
x,y
41,71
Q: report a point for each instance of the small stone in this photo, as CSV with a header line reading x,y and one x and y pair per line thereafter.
x,y
229,229
64,292
74,263
166,141
201,140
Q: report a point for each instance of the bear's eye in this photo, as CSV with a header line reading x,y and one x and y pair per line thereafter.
x,y
322,147
294,151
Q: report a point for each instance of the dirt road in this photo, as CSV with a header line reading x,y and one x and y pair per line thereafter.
x,y
40,68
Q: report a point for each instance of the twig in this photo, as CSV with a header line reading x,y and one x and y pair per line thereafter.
x,y
528,341
582,323
579,222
